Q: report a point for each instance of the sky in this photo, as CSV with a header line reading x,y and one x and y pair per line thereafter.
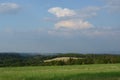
x,y
52,26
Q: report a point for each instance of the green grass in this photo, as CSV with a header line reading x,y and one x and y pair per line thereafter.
x,y
73,72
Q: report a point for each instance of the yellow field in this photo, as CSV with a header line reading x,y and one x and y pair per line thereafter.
x,y
61,59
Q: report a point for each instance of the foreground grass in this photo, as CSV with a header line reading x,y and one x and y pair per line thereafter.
x,y
74,72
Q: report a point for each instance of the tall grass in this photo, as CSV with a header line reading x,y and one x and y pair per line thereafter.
x,y
73,72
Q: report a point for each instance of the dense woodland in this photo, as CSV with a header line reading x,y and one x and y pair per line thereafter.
x,y
18,59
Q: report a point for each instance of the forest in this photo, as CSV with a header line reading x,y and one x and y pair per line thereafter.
x,y
22,59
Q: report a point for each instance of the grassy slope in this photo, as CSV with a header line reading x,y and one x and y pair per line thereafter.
x,y
75,72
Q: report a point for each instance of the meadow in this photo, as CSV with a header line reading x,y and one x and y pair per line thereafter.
x,y
69,72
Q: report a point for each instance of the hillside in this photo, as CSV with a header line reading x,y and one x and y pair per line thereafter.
x,y
20,59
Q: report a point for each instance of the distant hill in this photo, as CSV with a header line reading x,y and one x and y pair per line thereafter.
x,y
26,59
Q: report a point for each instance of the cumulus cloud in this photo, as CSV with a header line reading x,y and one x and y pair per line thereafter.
x,y
61,12
72,21
73,24
83,13
9,8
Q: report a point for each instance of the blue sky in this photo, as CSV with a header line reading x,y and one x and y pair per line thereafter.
x,y
52,26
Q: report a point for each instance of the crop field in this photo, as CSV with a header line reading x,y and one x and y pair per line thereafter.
x,y
70,72
61,59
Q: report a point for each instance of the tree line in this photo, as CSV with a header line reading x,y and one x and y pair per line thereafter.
x,y
18,59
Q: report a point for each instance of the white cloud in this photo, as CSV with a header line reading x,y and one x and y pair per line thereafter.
x,y
73,24
68,13
59,12
9,7
77,24
72,21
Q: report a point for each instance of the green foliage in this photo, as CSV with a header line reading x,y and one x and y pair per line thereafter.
x,y
15,59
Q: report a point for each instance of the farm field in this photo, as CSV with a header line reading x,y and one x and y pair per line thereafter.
x,y
61,59
70,72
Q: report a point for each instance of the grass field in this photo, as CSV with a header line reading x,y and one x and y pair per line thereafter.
x,y
74,72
